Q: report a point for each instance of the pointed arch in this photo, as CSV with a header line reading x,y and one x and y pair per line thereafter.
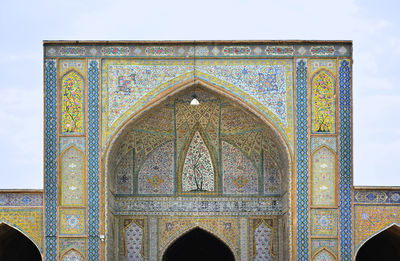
x,y
381,244
192,227
323,102
72,102
73,255
262,240
202,155
15,244
277,135
324,254
72,178
323,177
134,249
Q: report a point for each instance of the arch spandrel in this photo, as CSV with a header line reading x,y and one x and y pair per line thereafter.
x,y
21,220
269,95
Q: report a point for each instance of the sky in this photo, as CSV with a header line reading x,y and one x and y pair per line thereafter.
x,y
374,27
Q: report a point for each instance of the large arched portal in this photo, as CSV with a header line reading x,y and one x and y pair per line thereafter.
x,y
15,246
216,164
383,246
198,245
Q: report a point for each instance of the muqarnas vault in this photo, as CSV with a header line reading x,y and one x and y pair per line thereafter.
x,y
262,166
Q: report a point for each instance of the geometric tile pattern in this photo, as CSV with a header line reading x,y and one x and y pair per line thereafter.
x,y
21,199
324,222
124,173
156,176
51,167
28,221
207,50
302,160
369,220
346,175
240,176
72,221
272,177
93,159
377,196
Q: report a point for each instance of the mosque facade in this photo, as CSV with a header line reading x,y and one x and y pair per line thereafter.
x,y
149,144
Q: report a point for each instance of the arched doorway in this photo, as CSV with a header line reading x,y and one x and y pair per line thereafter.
x,y
198,244
15,246
383,246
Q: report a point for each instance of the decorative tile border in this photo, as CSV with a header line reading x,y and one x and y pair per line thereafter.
x,y
50,176
93,159
21,199
302,160
202,50
346,175
195,206
376,197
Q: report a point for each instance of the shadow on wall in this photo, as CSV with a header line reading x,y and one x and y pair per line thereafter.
x,y
15,246
383,246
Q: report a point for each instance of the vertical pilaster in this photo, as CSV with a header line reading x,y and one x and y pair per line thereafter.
x,y
93,160
302,159
51,159
346,167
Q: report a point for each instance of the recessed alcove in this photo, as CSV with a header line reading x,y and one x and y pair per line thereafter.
x,y
176,164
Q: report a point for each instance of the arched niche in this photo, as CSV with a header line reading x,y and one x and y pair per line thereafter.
x,y
72,103
323,102
384,245
147,135
72,255
198,244
14,245
324,254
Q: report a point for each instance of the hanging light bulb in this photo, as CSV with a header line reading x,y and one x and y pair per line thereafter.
x,y
194,101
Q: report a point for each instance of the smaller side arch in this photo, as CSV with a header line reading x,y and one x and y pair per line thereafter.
x,y
384,244
15,244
